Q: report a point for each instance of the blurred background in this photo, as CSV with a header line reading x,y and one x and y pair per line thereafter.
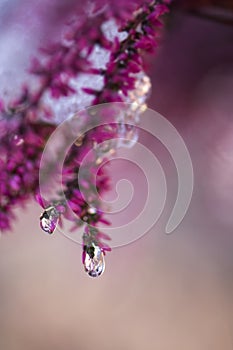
x,y
161,292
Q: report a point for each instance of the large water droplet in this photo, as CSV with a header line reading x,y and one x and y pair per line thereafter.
x,y
93,261
49,219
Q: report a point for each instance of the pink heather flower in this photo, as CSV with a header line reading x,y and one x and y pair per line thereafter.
x,y
27,123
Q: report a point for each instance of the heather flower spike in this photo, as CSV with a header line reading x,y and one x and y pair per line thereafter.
x,y
103,65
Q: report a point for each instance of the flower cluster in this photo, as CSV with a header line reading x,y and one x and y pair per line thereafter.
x,y
26,124
22,143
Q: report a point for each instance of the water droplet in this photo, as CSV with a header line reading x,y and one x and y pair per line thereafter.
x,y
93,260
18,140
49,219
92,210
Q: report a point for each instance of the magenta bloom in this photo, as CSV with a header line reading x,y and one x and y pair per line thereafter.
x,y
119,32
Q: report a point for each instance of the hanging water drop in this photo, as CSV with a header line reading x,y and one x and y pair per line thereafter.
x,y
93,260
49,219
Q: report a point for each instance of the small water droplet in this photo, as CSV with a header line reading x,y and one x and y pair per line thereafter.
x,y
93,260
92,210
18,140
49,219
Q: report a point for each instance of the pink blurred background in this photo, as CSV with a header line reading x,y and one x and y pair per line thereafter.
x,y
161,292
